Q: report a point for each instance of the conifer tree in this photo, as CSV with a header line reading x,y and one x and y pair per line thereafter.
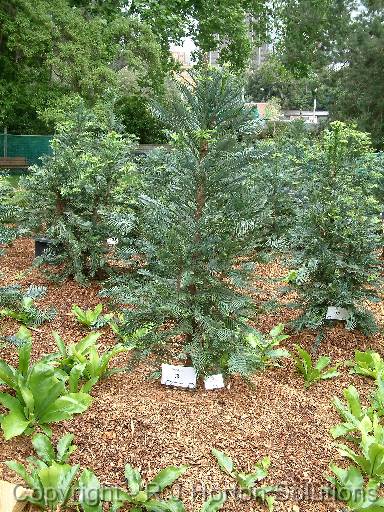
x,y
74,198
198,223
8,212
278,179
337,235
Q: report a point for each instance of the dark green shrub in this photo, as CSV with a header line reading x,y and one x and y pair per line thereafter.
x,y
74,197
138,119
337,233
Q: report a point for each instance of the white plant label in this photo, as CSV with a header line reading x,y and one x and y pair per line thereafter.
x,y
179,376
214,382
335,313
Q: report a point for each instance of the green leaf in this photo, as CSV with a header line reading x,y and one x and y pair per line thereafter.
x,y
65,407
352,396
44,386
15,423
270,501
133,479
74,377
43,447
21,471
306,361
97,310
87,342
214,503
165,478
330,374
24,350
60,344
322,363
89,492
60,478
246,481
262,468
339,430
87,386
65,448
277,330
225,462
114,494
171,505
28,398
7,375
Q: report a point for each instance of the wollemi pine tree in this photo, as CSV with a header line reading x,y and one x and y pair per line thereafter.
x,y
199,219
337,235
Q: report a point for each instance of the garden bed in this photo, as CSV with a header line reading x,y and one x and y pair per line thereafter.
x,y
137,421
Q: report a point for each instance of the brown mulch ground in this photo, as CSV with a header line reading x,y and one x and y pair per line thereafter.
x,y
138,421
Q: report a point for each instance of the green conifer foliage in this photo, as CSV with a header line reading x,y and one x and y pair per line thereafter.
x,y
199,219
8,212
74,197
278,178
337,235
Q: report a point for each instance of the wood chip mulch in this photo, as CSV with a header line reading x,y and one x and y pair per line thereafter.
x,y
137,421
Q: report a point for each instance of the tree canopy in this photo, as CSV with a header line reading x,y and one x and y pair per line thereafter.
x,y
360,84
50,50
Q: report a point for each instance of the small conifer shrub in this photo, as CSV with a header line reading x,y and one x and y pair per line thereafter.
x,y
337,234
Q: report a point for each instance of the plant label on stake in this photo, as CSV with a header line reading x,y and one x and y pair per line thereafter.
x,y
179,376
335,313
214,381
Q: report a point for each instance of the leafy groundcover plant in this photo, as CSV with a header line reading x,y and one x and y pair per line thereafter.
x,y
57,485
368,364
198,223
41,396
20,305
348,485
82,361
370,458
91,318
48,475
337,234
313,372
247,481
359,485
352,412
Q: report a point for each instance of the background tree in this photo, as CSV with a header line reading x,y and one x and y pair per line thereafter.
x,y
137,117
274,80
341,41
50,50
230,26
359,81
307,32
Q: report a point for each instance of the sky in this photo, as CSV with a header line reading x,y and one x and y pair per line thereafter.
x,y
188,46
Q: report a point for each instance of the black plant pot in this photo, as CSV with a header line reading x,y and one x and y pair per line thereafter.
x,y
41,245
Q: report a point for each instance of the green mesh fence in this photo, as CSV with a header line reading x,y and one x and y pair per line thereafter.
x,y
31,147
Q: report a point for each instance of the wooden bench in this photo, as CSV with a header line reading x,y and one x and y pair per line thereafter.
x,y
15,162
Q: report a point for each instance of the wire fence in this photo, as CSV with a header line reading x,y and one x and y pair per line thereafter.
x,y
30,147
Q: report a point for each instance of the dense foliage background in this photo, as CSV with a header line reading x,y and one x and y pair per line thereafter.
x,y
330,50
